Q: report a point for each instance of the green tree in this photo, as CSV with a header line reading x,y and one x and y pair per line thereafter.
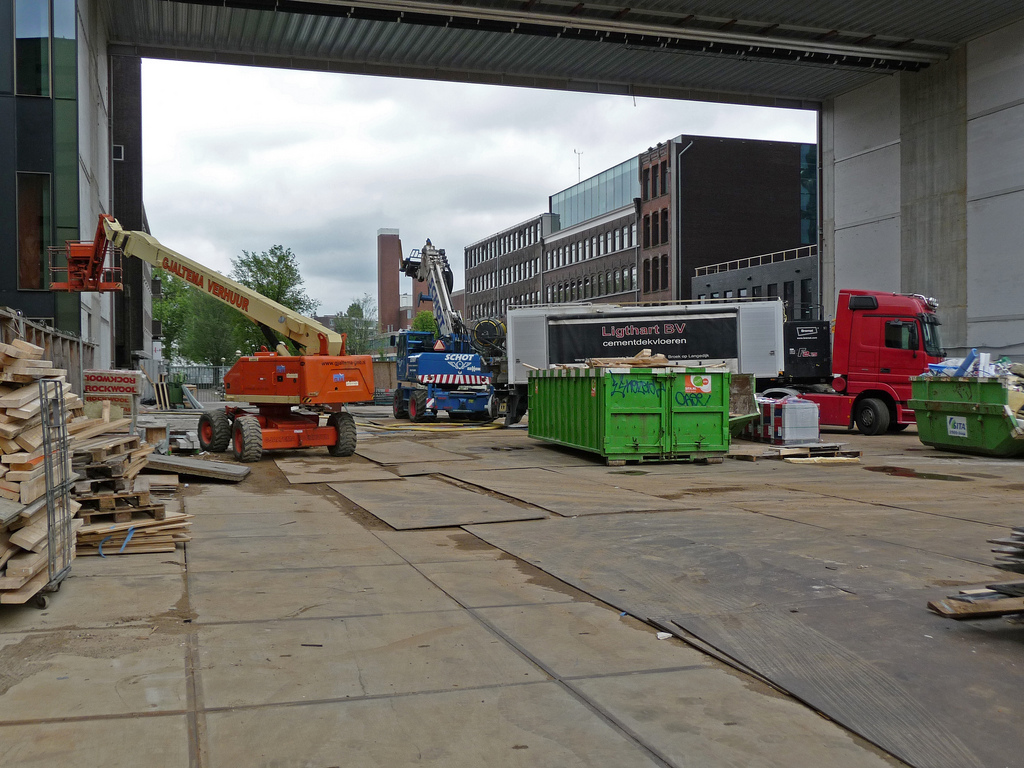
x,y
210,331
359,324
275,275
172,310
424,321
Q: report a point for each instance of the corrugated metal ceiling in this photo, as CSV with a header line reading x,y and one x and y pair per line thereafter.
x,y
784,52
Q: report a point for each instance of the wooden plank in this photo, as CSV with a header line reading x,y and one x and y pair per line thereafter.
x,y
11,430
33,489
961,609
26,350
25,475
27,592
31,439
31,537
98,428
218,470
20,397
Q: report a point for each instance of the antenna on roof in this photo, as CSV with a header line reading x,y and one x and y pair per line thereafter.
x,y
579,172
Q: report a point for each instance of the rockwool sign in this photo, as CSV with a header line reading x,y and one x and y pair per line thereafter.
x,y
119,387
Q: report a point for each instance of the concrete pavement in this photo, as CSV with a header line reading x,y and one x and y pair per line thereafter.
x,y
298,630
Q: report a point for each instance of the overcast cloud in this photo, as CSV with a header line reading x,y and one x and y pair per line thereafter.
x,y
239,158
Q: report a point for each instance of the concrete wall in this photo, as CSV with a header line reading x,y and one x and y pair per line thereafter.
x,y
923,191
995,192
94,163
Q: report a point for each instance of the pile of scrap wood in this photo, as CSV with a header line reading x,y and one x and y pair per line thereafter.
x,y
1010,550
119,513
127,522
21,433
985,602
24,549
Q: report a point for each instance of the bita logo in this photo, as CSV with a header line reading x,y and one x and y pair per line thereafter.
x,y
698,383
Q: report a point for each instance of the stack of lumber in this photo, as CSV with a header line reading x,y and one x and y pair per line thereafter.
x,y
985,602
21,431
129,522
109,461
24,556
1010,550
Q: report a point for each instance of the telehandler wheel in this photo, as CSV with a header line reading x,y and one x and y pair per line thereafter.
x,y
418,406
214,431
247,439
872,416
398,405
345,426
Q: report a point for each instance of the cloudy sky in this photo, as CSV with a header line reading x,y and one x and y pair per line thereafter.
x,y
240,159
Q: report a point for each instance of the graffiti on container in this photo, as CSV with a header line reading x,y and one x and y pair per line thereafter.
x,y
963,391
692,399
623,386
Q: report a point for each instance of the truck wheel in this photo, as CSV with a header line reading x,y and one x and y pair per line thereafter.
x,y
247,440
872,416
345,426
398,405
214,431
418,406
897,427
458,417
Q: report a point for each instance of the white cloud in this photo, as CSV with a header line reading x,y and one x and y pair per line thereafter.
x,y
241,159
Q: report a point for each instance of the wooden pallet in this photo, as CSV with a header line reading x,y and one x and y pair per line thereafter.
x,y
119,505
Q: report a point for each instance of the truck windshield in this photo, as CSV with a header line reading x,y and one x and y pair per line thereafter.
x,y
932,342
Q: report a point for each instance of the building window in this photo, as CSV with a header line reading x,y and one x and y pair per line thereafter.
x,y
664,272
646,186
32,47
618,240
743,293
34,226
773,290
664,225
632,278
647,231
756,291
716,295
655,192
788,298
664,177
728,294
655,229
647,276
806,300
632,234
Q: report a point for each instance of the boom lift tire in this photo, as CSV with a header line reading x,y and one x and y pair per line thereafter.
x,y
398,405
214,431
418,406
345,426
247,439
872,416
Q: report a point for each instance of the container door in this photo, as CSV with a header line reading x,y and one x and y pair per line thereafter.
x,y
635,413
698,411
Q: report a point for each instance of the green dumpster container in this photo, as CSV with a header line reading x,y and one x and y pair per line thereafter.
x,y
633,414
967,415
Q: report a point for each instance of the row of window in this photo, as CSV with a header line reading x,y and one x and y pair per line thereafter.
x,y
655,180
506,276
797,310
500,307
599,245
656,228
593,286
656,274
510,241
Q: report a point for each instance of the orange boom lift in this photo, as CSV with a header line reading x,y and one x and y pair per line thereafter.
x,y
290,392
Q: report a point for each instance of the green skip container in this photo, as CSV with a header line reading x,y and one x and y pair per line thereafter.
x,y
966,415
633,414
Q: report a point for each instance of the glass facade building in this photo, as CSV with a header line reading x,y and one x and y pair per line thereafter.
x,y
39,204
607,191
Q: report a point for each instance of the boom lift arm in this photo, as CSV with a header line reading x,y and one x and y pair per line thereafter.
x,y
308,334
430,265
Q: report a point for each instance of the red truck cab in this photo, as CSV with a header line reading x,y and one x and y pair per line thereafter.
x,y
880,340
